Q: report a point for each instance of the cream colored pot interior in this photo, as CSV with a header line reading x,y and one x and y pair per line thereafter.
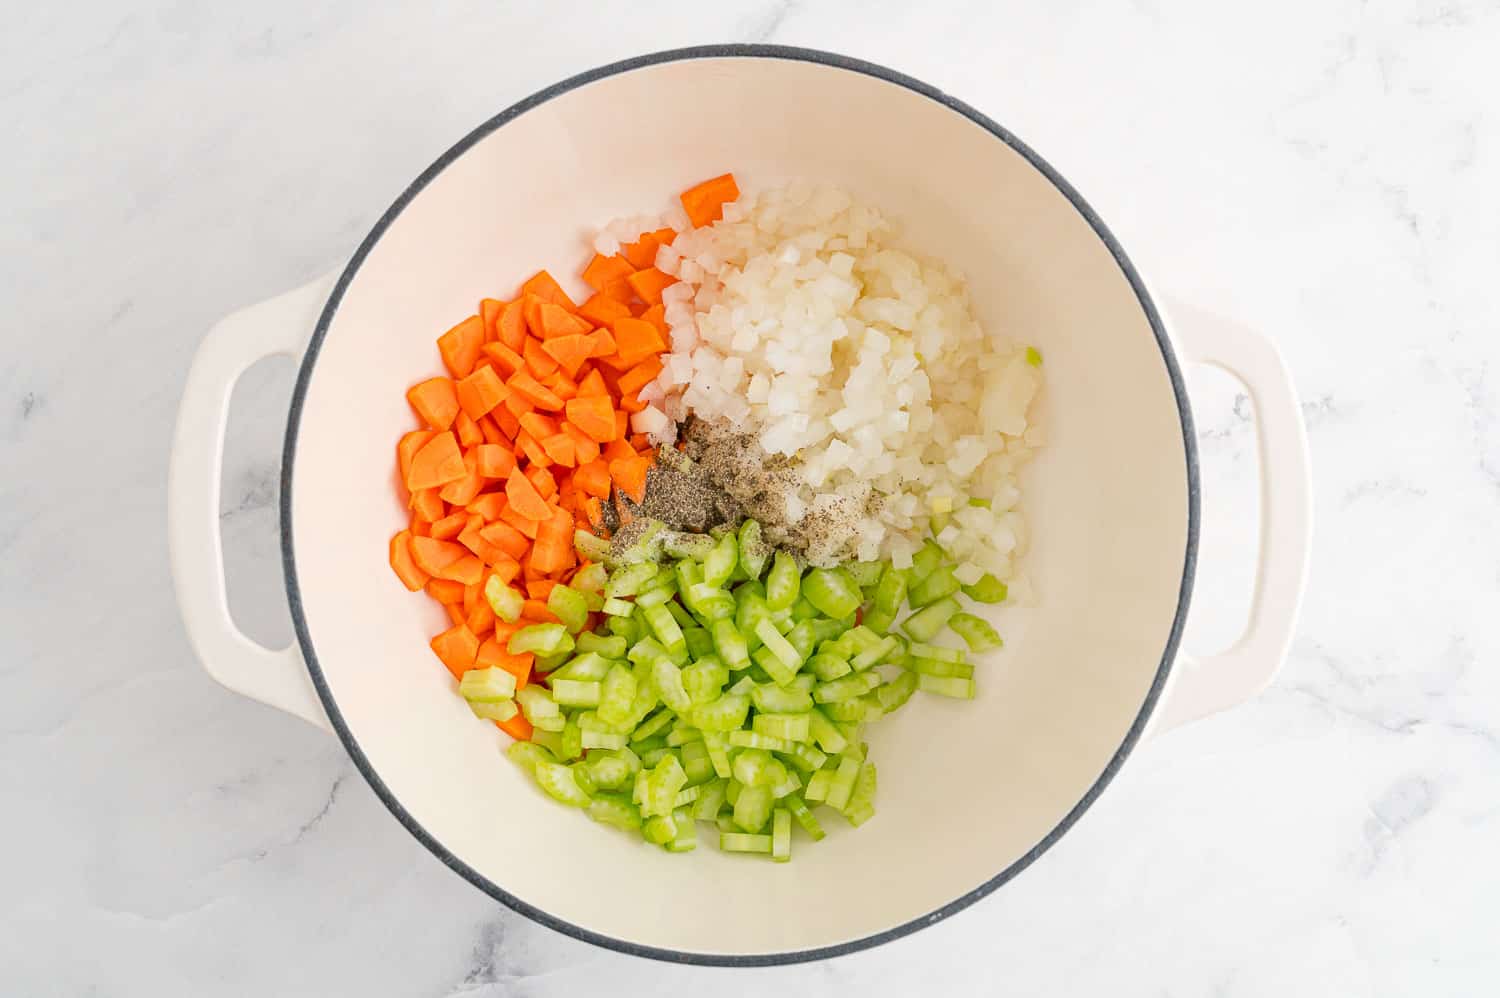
x,y
966,789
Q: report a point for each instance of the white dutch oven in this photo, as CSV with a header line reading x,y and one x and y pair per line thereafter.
x,y
1113,501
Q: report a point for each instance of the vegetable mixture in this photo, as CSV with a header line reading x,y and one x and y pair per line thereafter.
x,y
670,677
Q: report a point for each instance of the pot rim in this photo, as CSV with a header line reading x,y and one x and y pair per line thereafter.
x,y
289,562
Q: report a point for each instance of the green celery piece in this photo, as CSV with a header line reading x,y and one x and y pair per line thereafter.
x,y
921,649
730,644
704,679
589,546
783,583
829,738
679,545
507,603
846,688
689,793
744,685
709,602
528,754
682,734
662,785
569,606
803,637
833,591
803,681
646,650
753,551
753,740
718,754
799,809
659,829
753,808
651,757
601,740
668,680
487,685
610,770
666,629
540,709
609,647
623,625
818,785
870,656
866,573
656,596
787,727
987,590
781,835
700,643
686,839
680,614
976,632
896,692
558,782
617,608
947,686
549,740
778,646
615,810
749,612
724,714
827,666
543,664
742,842
750,765
710,800
843,783
696,762
589,720
616,695
687,573
861,805
575,693
590,578
725,823
495,710
846,711
928,622
588,666
570,746
891,592
939,583
924,562
543,639
780,700
653,725
934,667
788,782
805,757
803,610
629,580
879,621
719,565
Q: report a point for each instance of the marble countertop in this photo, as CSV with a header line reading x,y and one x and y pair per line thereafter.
x,y
1324,172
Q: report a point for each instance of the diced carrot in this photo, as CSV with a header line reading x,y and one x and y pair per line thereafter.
x,y
506,567
491,431
488,504
446,591
640,375
463,491
543,286
593,385
492,655
495,460
540,588
412,577
585,447
602,342
593,509
466,430
438,462
460,345
516,726
604,271
524,525
456,615
561,386
642,253
622,424
481,617
407,448
506,538
505,421
642,443
433,556
449,526
602,309
593,415
531,308
527,447
571,351
490,310
535,611
427,505
618,449
471,596
511,330
534,391
506,358
657,316
517,405
467,570
524,498
558,321
629,476
593,478
538,361
457,647
546,486
539,424
419,527
631,403
560,449
435,401
481,391
705,202
648,284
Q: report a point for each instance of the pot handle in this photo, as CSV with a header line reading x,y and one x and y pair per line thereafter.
x,y
278,326
1211,684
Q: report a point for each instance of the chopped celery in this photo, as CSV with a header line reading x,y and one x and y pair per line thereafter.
x,y
753,808
700,643
742,842
611,770
661,786
803,682
787,727
752,609
677,544
607,647
629,580
617,607
987,590
655,723
725,823
575,693
779,700
921,649
891,592
724,714
570,745
590,546
826,666
743,686
666,629
845,711
752,549
590,579
507,603
755,740
781,835
847,688
714,743
540,709
896,692
688,794
651,757
546,663
528,754
976,632
805,757
623,625
925,562
617,694
695,761
686,839
861,805
928,622
783,582
498,710
874,654
879,621
549,740
686,575
668,680
543,639
710,800
719,564
682,733
558,782
779,646
750,765
659,829
829,738
939,583
803,610
817,786
833,591
487,685
947,686
799,810
601,740
704,679
709,601
682,615
615,810
787,782
731,644
865,573
655,596
569,606
936,667
843,783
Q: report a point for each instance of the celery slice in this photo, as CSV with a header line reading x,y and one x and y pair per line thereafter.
x,y
781,700
659,829
542,639
710,800
608,647
686,839
783,583
829,738
611,770
976,632
498,710
818,785
487,685
805,757
779,646
615,810
569,606
629,580
787,727
724,714
668,680
616,695
590,579
666,628
781,835
846,711
718,566
601,740
921,649
833,591
827,666
575,692
751,610
570,744
730,644
682,733
896,692
741,842
704,679
870,656
540,709
755,740
927,623
655,596
804,816
679,545
987,590
696,762
681,614
843,783
861,805
617,607
558,783
752,549
700,643
847,688
957,687
528,754
590,546
655,723
507,603
753,808
714,743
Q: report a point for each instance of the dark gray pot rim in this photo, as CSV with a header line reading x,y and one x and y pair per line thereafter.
x,y
289,560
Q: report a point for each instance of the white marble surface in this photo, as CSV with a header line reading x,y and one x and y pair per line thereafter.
x,y
1324,171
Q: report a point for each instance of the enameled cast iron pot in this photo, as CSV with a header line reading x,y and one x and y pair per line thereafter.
x,y
970,793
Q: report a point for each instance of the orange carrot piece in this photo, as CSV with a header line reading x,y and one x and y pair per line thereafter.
x,y
538,361
466,430
490,310
480,392
524,498
593,511
585,447
511,329
524,525
629,476
506,358
427,505
407,447
491,432
657,316
593,385
467,570
435,401
604,271
642,253
449,526
561,386
640,375
516,405
559,448
412,577
506,538
539,424
445,591
463,491
481,619
705,202
637,339
622,424
603,310
539,588
495,461
457,647
558,321
488,504
648,284
438,462
535,611
433,556
546,486
531,308
492,655
460,345
505,420
631,403
571,351
544,287
517,726
593,415
593,478
506,567
534,391
456,615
